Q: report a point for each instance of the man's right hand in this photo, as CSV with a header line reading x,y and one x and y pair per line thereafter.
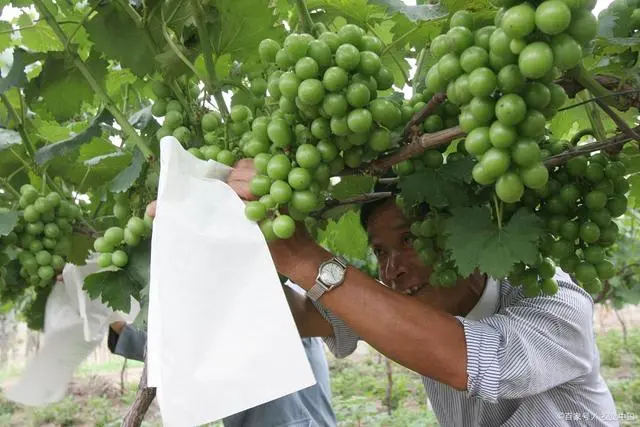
x,y
118,326
151,209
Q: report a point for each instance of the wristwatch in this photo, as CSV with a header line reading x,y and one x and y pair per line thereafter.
x,y
331,274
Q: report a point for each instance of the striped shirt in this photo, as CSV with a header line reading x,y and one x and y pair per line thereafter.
x,y
530,362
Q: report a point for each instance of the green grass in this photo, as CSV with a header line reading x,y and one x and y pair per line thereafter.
x,y
359,387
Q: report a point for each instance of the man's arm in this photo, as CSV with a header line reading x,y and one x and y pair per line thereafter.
x,y
309,321
126,341
542,343
423,339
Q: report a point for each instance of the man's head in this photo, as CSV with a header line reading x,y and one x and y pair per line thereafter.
x,y
392,242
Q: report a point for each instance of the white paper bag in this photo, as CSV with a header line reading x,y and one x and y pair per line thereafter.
x,y
74,326
221,335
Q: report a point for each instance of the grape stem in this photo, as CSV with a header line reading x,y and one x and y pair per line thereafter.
x,y
306,23
622,125
595,98
26,140
207,53
356,200
420,116
578,136
614,141
6,185
498,211
425,142
599,86
627,96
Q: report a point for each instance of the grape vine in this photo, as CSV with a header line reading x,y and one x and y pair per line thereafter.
x,y
513,122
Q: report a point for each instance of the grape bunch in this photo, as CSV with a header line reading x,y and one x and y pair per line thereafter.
x,y
328,117
112,245
502,77
579,205
42,237
207,142
175,121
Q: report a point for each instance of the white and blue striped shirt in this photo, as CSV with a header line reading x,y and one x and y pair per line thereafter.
x,y
530,362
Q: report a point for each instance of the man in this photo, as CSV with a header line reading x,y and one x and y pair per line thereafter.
x,y
310,407
488,355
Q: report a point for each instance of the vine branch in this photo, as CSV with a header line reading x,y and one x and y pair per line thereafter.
x,y
140,406
420,145
588,148
129,130
622,125
359,199
421,115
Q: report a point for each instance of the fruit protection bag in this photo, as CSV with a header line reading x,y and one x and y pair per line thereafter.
x,y
221,337
74,326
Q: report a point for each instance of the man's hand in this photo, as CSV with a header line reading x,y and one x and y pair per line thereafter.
x,y
292,255
151,209
117,326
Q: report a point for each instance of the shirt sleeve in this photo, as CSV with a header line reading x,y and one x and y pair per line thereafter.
x,y
344,341
531,346
129,344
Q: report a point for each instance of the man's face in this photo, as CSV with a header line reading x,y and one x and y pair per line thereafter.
x,y
392,242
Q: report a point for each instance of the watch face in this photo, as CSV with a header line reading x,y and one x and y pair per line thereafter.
x,y
332,274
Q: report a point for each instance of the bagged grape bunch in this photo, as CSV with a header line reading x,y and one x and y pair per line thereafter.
x,y
502,78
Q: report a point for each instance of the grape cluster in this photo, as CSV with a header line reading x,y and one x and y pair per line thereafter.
x,y
502,77
579,205
42,237
112,245
429,243
175,121
328,117
205,143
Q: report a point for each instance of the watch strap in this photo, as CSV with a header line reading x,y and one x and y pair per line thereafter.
x,y
319,288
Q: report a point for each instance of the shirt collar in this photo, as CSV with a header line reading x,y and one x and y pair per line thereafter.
x,y
488,302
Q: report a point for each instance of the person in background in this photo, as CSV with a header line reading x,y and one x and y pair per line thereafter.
x,y
310,407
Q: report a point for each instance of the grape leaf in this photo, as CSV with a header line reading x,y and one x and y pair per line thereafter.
x,y
95,164
125,179
8,221
16,76
10,148
140,263
115,288
345,236
475,241
562,124
613,45
439,187
62,148
634,192
38,37
357,11
63,87
114,34
427,12
350,186
5,35
81,244
238,26
614,22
